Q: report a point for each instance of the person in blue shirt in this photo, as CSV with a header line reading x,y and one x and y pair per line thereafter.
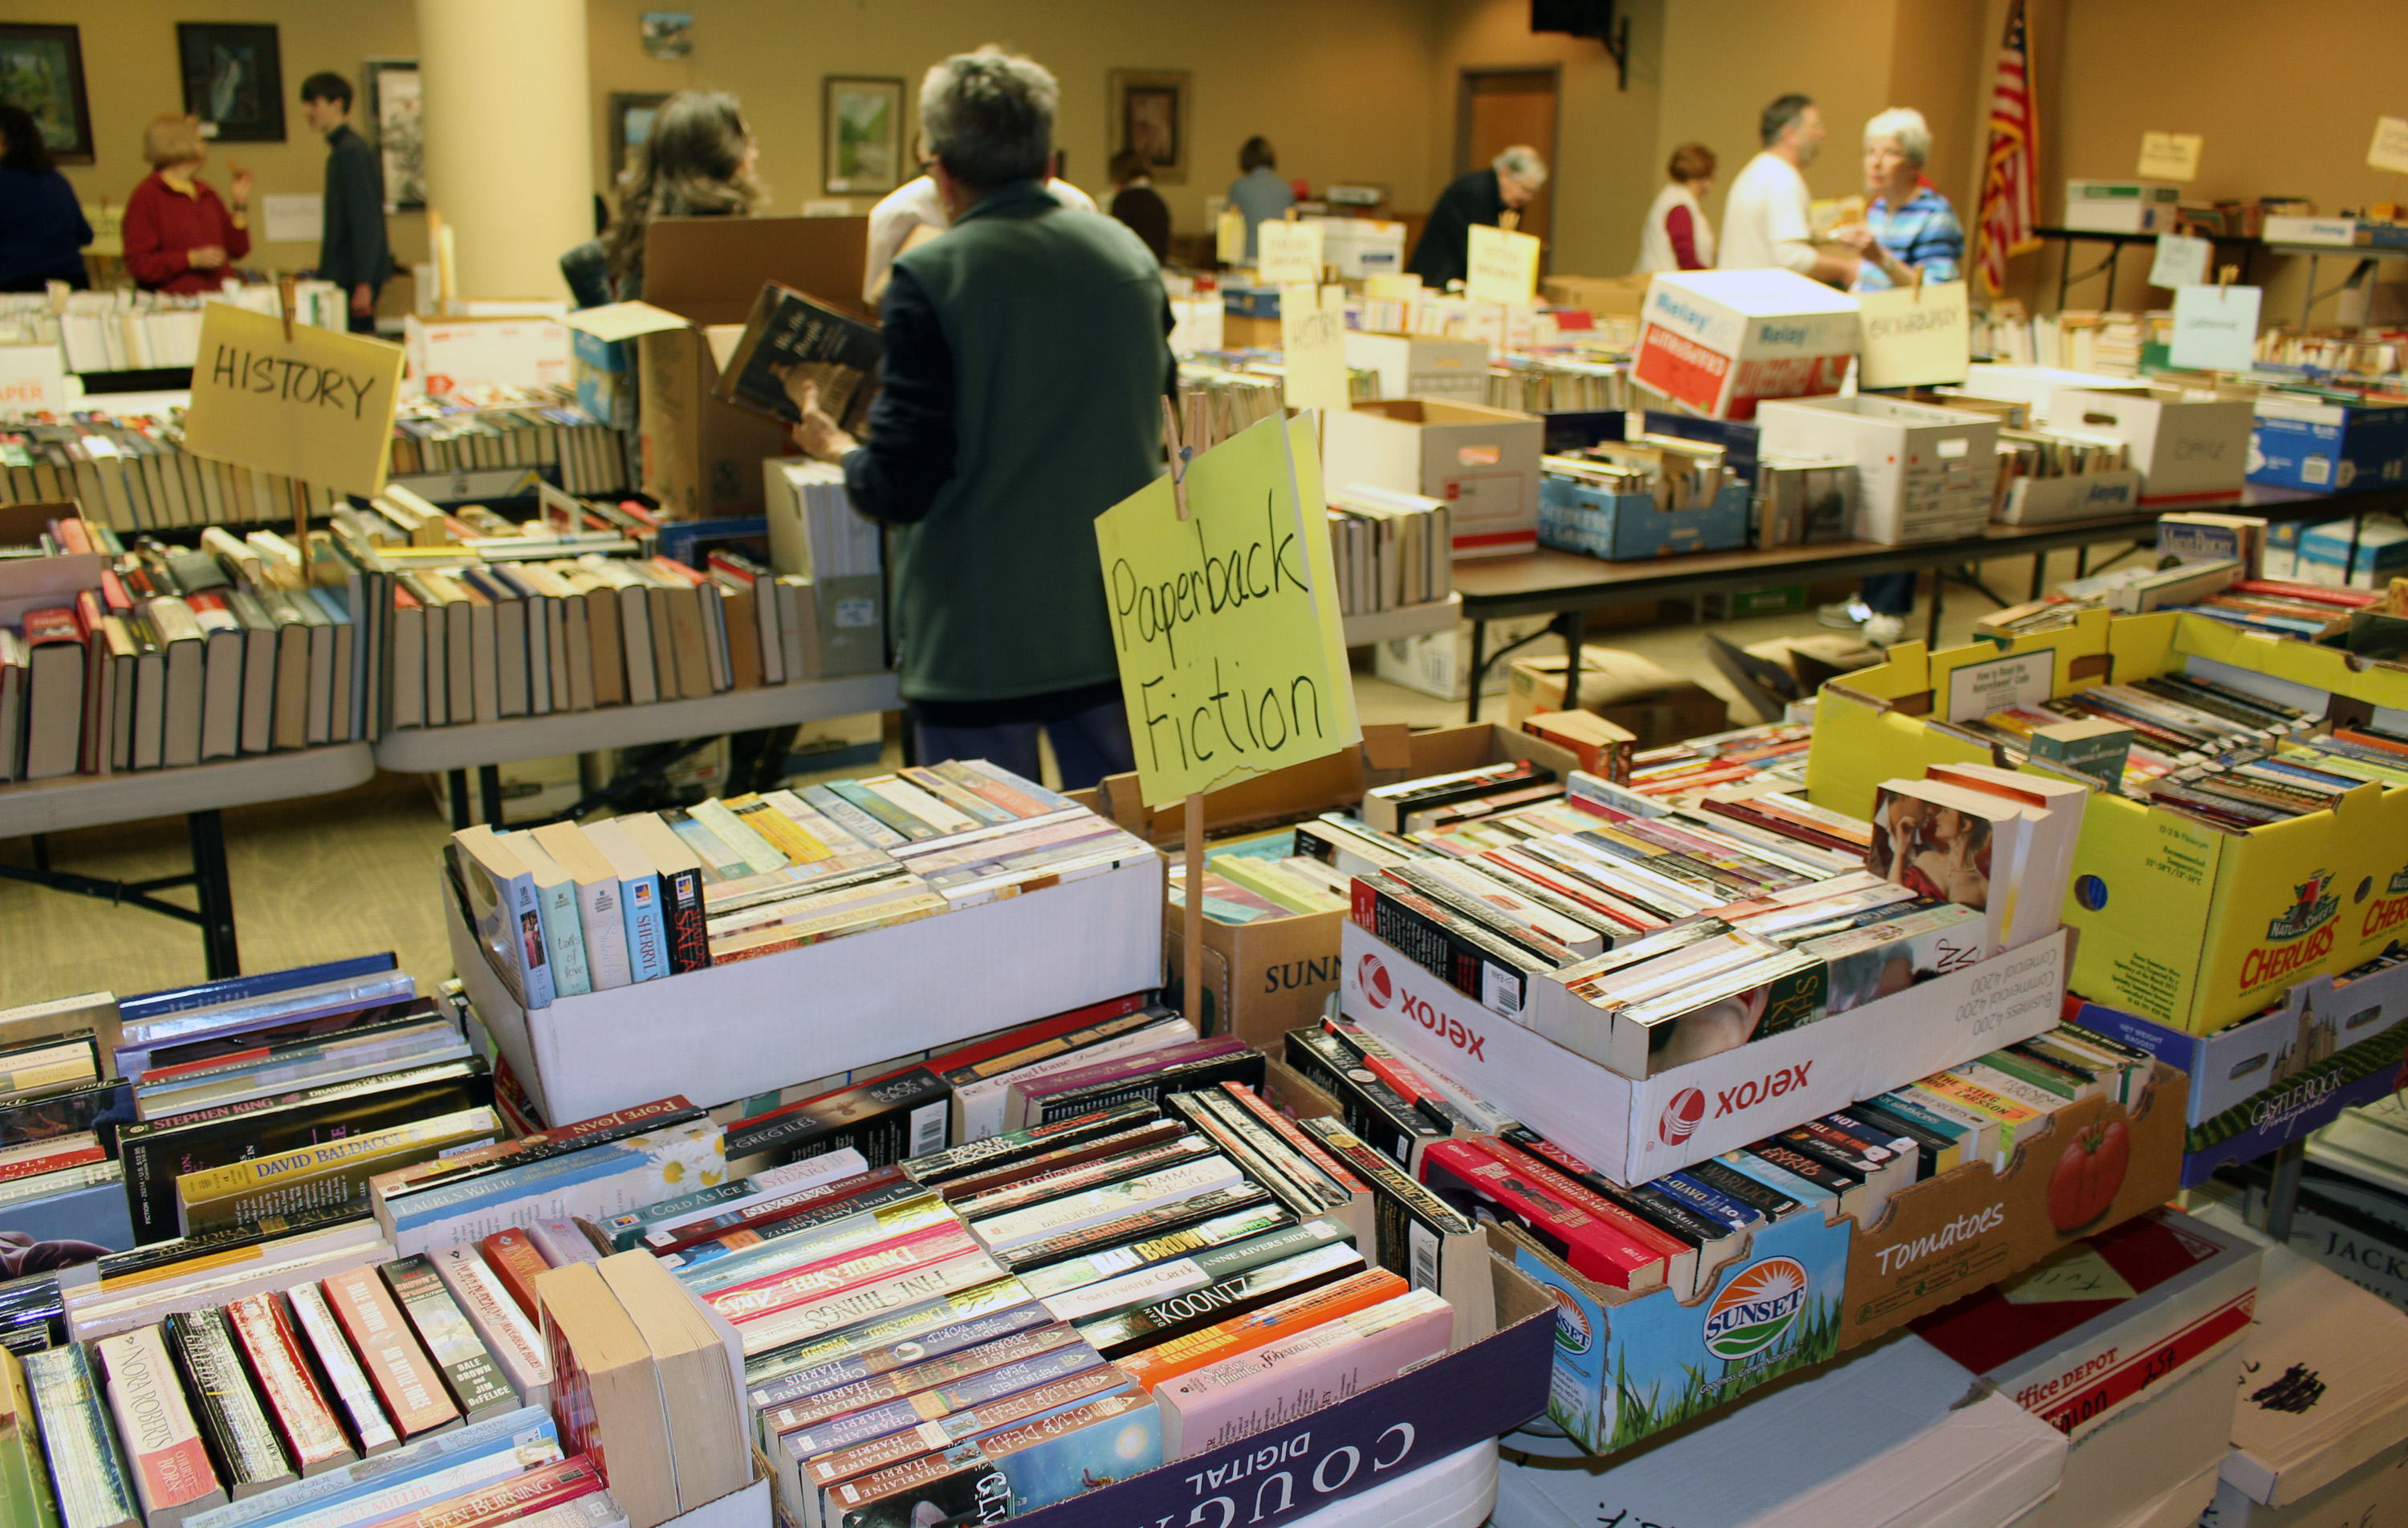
x,y
42,226
1909,230
1259,194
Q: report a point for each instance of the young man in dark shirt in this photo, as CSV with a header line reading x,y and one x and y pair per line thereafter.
x,y
351,249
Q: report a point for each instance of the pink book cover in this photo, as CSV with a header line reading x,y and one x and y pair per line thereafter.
x,y
1273,1385
1036,1090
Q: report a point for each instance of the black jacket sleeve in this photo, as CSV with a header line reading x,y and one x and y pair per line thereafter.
x,y
895,476
353,249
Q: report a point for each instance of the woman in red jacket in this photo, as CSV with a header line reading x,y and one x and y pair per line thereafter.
x,y
179,236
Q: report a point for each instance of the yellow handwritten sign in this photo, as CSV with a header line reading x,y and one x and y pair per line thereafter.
x,y
1229,237
2390,150
2170,156
1312,347
1225,623
1504,267
1915,336
1287,251
318,406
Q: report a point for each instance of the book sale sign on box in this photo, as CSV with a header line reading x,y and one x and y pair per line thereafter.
x,y
1225,621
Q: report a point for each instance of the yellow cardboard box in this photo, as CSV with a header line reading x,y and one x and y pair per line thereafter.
x,y
2191,926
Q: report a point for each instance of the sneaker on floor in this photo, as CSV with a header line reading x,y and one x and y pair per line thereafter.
x,y
1850,612
1885,631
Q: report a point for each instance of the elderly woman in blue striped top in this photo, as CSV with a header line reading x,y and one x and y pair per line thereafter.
x,y
1909,226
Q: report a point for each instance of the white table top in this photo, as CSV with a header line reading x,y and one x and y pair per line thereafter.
x,y
466,747
83,801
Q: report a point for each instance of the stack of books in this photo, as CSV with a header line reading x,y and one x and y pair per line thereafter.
x,y
565,909
490,426
1392,549
125,330
1677,474
1553,384
2054,453
2171,722
1775,752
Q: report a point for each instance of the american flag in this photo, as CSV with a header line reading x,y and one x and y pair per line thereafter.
x,y
2011,177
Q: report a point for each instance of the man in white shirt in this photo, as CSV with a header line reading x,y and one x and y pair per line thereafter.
x,y
896,223
1767,222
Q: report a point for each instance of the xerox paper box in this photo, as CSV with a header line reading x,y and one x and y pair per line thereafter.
x,y
1483,462
1629,1367
2326,1383
1717,342
2327,448
2083,1337
2095,1164
2186,924
1632,1131
2191,445
1923,474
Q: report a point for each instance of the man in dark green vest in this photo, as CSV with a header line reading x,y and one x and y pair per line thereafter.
x,y
1026,358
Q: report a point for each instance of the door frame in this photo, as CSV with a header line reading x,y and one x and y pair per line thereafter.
x,y
1464,78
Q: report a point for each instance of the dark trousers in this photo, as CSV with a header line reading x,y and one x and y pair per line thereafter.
x,y
364,325
1088,745
1889,593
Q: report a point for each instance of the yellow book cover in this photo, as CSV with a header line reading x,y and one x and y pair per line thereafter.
x,y
330,1173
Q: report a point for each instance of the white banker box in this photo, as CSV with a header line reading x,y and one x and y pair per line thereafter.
x,y
2190,444
1923,474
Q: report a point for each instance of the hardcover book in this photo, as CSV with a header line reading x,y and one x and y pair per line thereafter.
x,y
791,332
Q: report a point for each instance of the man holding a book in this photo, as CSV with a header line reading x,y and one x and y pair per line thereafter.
x,y
1027,351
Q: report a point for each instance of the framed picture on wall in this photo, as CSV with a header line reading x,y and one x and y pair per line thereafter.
x,y
1149,114
41,70
631,126
390,87
234,80
862,135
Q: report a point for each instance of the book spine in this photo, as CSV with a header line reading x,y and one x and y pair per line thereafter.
x,y
605,933
507,1335
231,1418
406,1380
515,1263
364,1420
564,935
86,1472
505,1501
689,941
475,1380
648,934
170,1465
305,1424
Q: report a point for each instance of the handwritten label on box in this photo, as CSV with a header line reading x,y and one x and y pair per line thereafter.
x,y
2170,156
1504,267
316,406
1312,347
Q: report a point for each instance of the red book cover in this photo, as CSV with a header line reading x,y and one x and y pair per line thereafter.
x,y
57,624
59,1160
1607,1250
406,1380
305,1424
1030,1033
1579,1195
71,534
515,1263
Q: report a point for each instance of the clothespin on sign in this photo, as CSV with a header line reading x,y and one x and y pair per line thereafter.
x,y
1178,457
2223,277
1918,283
284,295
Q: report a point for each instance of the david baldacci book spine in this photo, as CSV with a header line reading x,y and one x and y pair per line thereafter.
x,y
171,1468
319,1177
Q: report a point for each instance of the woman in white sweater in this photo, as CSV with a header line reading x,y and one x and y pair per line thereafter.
x,y
1678,238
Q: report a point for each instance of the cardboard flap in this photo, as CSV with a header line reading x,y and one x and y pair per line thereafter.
x,y
1388,745
623,321
710,269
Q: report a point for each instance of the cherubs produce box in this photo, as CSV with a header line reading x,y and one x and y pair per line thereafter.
x,y
1483,462
1271,976
1800,1291
1718,341
725,1031
2331,1044
2186,924
1631,1130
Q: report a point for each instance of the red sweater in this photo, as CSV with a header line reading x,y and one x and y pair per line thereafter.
x,y
162,225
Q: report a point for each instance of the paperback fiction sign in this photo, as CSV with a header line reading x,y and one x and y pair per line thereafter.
x,y
316,406
1225,623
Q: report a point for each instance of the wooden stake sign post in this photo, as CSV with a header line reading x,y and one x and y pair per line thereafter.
x,y
1223,600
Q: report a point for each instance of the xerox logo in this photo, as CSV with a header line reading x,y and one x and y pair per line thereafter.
x,y
1681,1116
1450,1030
1372,977
1771,1085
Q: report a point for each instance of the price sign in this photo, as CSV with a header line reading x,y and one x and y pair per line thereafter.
x,y
1229,237
1226,624
2216,328
1915,336
316,406
2170,156
2390,148
2182,261
1312,347
1287,251
1504,267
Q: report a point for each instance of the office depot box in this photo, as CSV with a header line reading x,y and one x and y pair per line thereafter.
x,y
2046,501
1646,700
445,355
1483,462
1440,662
2190,925
2191,445
1631,1130
828,1007
2327,448
1362,247
1717,342
2165,1446
1575,517
1923,474
1417,365
2331,1044
2122,206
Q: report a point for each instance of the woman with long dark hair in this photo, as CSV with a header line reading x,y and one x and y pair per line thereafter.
x,y
42,226
695,162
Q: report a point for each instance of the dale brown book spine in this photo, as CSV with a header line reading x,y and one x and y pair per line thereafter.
x,y
476,1381
241,1439
305,1424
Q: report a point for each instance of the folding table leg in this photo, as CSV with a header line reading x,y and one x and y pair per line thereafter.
x,y
489,792
216,895
458,781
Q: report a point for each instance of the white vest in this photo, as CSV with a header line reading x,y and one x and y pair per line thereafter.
x,y
1656,243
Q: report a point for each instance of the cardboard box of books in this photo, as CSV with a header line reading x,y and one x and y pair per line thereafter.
x,y
1633,1129
832,560
2191,444
2086,495
2186,920
1440,662
1483,462
1627,527
2331,1044
1718,342
1923,474
1625,297
1640,696
1411,366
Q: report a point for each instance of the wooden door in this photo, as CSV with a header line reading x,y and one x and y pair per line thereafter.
x,y
1498,108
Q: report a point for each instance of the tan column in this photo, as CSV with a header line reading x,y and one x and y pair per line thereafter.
x,y
509,160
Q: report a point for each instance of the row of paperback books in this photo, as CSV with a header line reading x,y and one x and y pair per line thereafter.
x,y
571,909
1390,549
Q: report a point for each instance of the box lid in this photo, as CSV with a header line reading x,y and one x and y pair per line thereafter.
x,y
2325,1381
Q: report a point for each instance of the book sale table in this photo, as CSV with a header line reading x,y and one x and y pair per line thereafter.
x,y
1566,585
199,793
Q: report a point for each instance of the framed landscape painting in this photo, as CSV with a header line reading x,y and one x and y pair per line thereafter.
x,y
234,80
1149,114
41,70
863,136
391,85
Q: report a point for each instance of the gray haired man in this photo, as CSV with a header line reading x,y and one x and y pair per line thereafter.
x,y
1483,197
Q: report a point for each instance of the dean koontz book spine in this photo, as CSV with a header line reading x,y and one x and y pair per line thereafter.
x,y
406,1380
364,1419
240,1436
305,1424
170,1465
86,1472
1158,1321
477,1383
